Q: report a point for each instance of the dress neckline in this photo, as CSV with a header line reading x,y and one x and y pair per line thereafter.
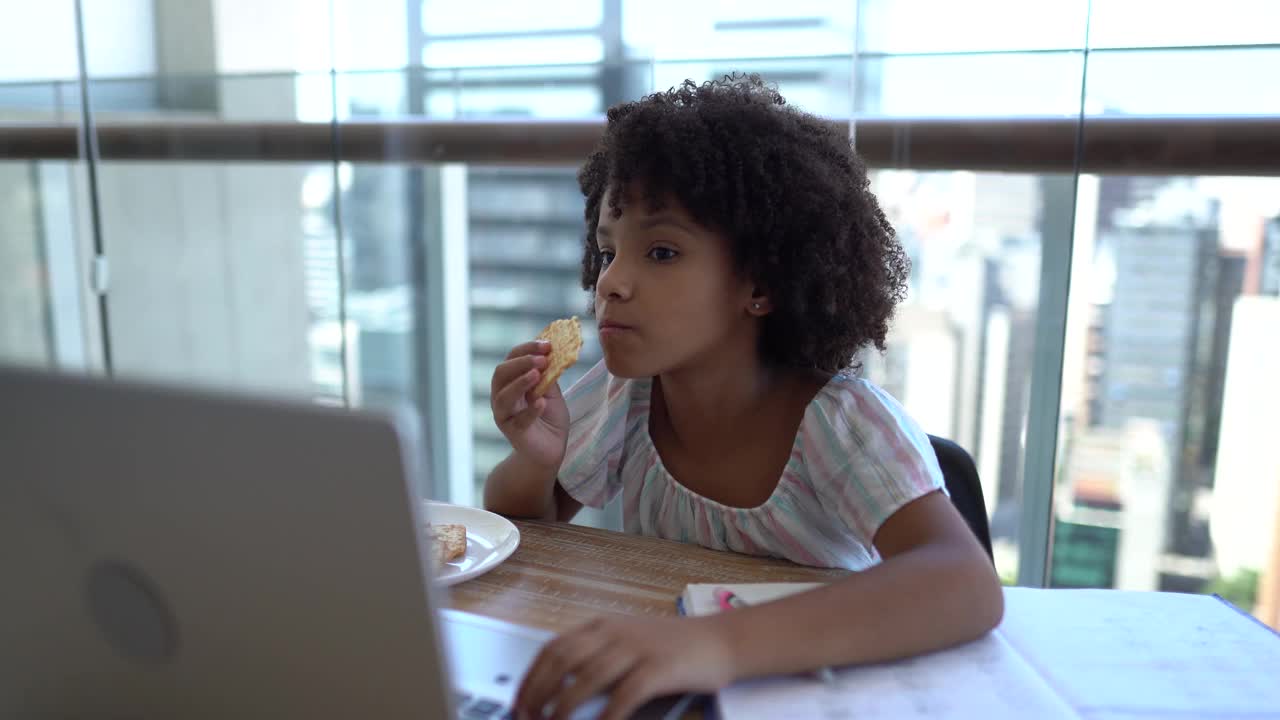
x,y
644,390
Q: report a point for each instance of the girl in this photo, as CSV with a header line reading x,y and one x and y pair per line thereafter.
x,y
738,262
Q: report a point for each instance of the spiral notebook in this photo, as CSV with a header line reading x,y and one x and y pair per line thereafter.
x,y
1089,654
699,599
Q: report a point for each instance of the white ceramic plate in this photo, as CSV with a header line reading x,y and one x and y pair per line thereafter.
x,y
490,540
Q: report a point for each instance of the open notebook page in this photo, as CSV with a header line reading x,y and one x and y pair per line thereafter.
x,y
1114,654
985,679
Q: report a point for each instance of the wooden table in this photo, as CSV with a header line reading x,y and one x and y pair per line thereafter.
x,y
562,575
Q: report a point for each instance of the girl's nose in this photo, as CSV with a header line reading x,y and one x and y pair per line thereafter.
x,y
615,282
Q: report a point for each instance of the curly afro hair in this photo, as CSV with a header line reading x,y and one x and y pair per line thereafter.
x,y
788,191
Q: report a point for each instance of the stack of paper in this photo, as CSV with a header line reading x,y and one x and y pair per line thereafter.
x,y
1090,654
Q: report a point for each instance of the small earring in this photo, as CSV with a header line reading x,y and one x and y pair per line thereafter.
x,y
755,306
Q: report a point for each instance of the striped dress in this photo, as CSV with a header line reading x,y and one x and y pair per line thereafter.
x,y
857,458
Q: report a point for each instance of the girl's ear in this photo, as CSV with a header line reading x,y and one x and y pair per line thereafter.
x,y
759,305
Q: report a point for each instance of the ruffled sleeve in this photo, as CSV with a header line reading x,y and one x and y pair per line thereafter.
x,y
598,406
871,456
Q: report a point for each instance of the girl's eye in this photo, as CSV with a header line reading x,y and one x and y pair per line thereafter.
x,y
606,257
662,254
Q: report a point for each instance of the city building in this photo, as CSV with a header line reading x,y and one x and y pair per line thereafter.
x,y
1245,490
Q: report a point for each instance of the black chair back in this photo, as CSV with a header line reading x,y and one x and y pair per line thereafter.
x,y
961,477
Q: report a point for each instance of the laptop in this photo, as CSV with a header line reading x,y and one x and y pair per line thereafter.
x,y
171,552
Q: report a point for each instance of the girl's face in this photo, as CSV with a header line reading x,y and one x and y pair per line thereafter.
x,y
667,297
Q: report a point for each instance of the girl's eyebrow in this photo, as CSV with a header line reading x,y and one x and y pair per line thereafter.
x,y
665,219
604,231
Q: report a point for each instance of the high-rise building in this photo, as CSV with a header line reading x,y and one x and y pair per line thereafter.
x,y
1012,420
1159,324
1247,477
1167,275
24,316
1269,260
1204,415
919,367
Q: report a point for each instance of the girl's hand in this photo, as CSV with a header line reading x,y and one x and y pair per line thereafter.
x,y
537,428
634,659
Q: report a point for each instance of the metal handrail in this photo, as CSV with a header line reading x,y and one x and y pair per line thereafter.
x,y
1134,145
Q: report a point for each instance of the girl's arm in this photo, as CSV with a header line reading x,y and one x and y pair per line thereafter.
x,y
524,484
935,588
517,487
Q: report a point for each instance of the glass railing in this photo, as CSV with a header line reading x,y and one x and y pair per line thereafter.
x,y
1093,284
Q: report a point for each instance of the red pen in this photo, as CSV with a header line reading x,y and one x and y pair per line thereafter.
x,y
726,600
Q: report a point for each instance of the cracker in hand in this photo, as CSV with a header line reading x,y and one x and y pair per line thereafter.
x,y
565,337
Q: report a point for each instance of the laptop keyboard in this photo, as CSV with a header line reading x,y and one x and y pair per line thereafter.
x,y
474,708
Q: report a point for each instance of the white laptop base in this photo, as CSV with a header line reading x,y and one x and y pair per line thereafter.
x,y
489,657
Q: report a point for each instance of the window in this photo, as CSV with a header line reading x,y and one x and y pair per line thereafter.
x,y
1095,339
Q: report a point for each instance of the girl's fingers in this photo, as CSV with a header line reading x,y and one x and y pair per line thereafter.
x,y
598,673
640,685
509,370
558,659
529,415
510,400
533,347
